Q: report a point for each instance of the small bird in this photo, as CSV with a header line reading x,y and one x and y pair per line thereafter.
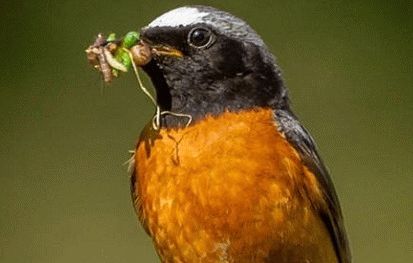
x,y
229,174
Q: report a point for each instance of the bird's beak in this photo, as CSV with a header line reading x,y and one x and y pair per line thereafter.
x,y
161,49
167,51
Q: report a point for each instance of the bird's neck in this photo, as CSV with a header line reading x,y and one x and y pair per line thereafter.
x,y
214,99
202,96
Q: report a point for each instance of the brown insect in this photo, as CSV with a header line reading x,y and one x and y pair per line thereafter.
x,y
96,57
141,54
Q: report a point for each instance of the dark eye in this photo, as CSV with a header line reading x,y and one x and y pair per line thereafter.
x,y
200,37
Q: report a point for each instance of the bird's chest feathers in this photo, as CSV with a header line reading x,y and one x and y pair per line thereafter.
x,y
217,180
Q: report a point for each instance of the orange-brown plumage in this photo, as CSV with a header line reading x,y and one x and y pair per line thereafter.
x,y
229,189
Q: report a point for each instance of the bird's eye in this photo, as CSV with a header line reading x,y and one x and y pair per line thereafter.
x,y
200,37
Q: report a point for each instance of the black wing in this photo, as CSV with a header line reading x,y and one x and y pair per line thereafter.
x,y
299,137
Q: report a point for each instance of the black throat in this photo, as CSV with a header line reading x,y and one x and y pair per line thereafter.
x,y
213,96
230,76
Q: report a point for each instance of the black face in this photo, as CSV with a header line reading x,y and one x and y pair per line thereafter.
x,y
216,73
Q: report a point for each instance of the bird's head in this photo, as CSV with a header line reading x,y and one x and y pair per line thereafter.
x,y
207,61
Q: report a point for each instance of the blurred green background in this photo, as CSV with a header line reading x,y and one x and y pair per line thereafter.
x,y
64,135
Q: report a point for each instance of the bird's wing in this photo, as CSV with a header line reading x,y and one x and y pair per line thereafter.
x,y
301,140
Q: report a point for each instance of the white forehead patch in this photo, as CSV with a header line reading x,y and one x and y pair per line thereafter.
x,y
182,16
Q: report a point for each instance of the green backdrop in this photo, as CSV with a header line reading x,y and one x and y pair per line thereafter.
x,y
64,136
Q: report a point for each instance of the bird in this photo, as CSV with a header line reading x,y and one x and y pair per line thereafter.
x,y
229,174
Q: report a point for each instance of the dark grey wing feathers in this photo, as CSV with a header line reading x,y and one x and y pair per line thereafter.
x,y
302,141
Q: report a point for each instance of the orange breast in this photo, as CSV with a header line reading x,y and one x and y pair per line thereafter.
x,y
229,189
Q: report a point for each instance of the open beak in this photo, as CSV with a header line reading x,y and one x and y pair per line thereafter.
x,y
143,52
167,51
161,49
